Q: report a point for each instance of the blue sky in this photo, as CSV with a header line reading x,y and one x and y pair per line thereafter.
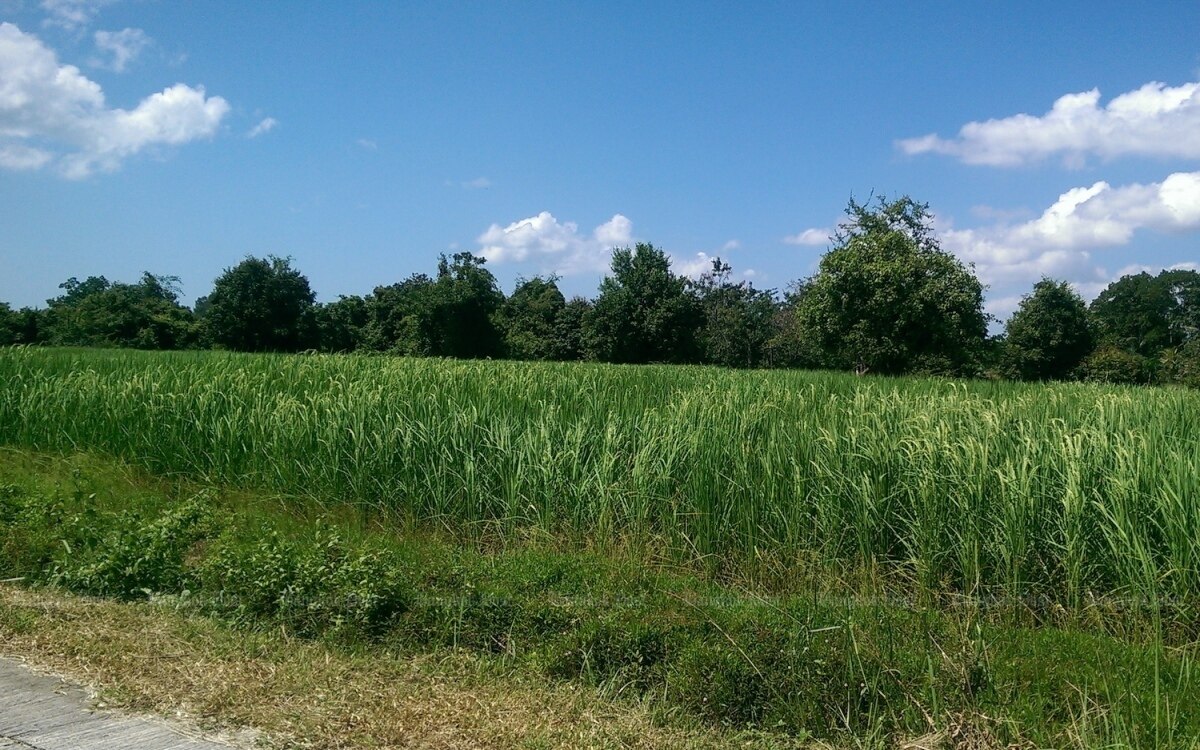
x,y
365,138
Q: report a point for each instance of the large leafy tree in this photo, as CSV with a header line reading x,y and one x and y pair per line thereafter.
x,y
888,299
529,321
451,315
644,312
468,298
259,305
1049,335
340,325
96,312
9,325
735,318
569,327
401,318
1146,314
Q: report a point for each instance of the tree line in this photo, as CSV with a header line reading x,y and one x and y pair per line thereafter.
x,y
886,299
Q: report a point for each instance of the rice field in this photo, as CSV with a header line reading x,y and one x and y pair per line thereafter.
x,y
1066,491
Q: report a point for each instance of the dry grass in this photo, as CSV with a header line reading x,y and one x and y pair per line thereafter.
x,y
306,695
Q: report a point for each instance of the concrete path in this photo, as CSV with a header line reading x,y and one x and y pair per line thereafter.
x,y
38,712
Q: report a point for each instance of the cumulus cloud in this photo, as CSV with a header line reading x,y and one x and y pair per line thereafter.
x,y
119,47
266,125
1154,120
1060,241
51,114
693,267
559,246
815,237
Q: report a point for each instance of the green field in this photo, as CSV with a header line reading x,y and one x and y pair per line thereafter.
x,y
1053,528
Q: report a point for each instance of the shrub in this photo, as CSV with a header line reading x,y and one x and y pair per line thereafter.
x,y
1112,365
139,557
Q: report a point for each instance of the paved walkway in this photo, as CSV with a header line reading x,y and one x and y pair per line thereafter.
x,y
46,713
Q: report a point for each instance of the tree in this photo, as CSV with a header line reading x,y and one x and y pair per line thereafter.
x,y
528,320
96,312
340,325
568,329
1049,335
468,298
1139,313
401,318
644,312
888,299
735,319
259,305
1110,364
451,315
791,345
9,325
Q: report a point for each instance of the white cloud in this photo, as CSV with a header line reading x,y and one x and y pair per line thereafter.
x,y
1154,120
122,47
18,157
693,267
1137,268
814,237
479,183
558,245
367,143
266,125
1002,308
51,113
1059,242
72,14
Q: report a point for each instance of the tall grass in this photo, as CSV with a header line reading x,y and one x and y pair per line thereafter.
x,y
1063,491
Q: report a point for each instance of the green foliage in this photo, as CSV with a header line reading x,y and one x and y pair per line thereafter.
x,y
451,315
312,585
855,666
1030,490
531,322
402,318
96,312
569,326
259,305
888,300
1181,365
1049,335
138,556
644,312
9,326
1148,314
1108,364
340,325
736,319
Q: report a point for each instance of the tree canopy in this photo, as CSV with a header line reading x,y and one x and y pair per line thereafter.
x,y
259,305
1049,335
888,299
96,312
644,312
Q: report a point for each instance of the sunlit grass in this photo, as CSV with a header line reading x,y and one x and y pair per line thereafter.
x,y
1061,491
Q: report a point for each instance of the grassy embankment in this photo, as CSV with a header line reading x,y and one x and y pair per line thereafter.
x,y
856,560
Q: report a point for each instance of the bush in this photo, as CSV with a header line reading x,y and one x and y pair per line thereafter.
x,y
1181,365
1112,365
630,649
139,557
311,585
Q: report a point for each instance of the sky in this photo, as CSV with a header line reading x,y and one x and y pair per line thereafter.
x,y
363,139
